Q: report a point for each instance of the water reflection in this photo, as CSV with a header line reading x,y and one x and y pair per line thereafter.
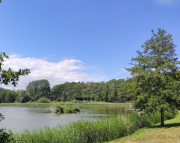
x,y
18,119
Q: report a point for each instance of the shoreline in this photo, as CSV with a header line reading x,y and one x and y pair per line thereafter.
x,y
61,103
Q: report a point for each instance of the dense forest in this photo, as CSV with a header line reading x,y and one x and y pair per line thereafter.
x,y
111,91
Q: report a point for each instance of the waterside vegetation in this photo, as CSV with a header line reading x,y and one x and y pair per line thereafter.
x,y
56,103
91,132
66,109
154,134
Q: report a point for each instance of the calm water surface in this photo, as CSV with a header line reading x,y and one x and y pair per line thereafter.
x,y
19,119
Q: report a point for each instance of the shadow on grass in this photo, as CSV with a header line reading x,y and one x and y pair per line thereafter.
x,y
167,125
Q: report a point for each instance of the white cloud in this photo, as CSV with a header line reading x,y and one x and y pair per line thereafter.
x,y
67,70
122,74
166,2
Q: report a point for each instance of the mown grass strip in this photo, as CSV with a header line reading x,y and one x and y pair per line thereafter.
x,y
155,134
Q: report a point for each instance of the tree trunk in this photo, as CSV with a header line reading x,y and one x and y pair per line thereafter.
x,y
162,117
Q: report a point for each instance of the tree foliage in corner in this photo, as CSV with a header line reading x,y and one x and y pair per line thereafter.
x,y
8,76
156,75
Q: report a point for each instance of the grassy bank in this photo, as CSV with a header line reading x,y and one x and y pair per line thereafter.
x,y
89,132
155,134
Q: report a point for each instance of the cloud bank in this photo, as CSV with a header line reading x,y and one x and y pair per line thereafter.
x,y
67,70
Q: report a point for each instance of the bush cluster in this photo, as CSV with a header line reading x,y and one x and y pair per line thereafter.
x,y
43,100
63,109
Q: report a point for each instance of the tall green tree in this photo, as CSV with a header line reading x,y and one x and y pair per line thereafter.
x,y
38,88
22,96
156,76
10,96
8,76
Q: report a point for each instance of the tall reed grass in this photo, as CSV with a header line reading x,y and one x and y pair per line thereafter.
x,y
89,132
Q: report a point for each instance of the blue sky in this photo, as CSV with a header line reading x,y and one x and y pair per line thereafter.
x,y
90,40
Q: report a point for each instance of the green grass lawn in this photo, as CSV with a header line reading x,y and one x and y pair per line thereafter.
x,y
155,134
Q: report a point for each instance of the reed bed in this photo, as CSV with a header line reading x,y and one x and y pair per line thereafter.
x,y
77,132
88,131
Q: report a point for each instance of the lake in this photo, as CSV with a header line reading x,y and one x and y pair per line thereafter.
x,y
18,118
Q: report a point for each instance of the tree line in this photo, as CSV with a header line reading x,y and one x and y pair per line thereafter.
x,y
111,91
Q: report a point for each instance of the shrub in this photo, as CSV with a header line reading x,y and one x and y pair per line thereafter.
x,y
43,100
59,109
64,109
74,110
137,122
4,136
170,115
25,99
67,110
58,99
145,120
